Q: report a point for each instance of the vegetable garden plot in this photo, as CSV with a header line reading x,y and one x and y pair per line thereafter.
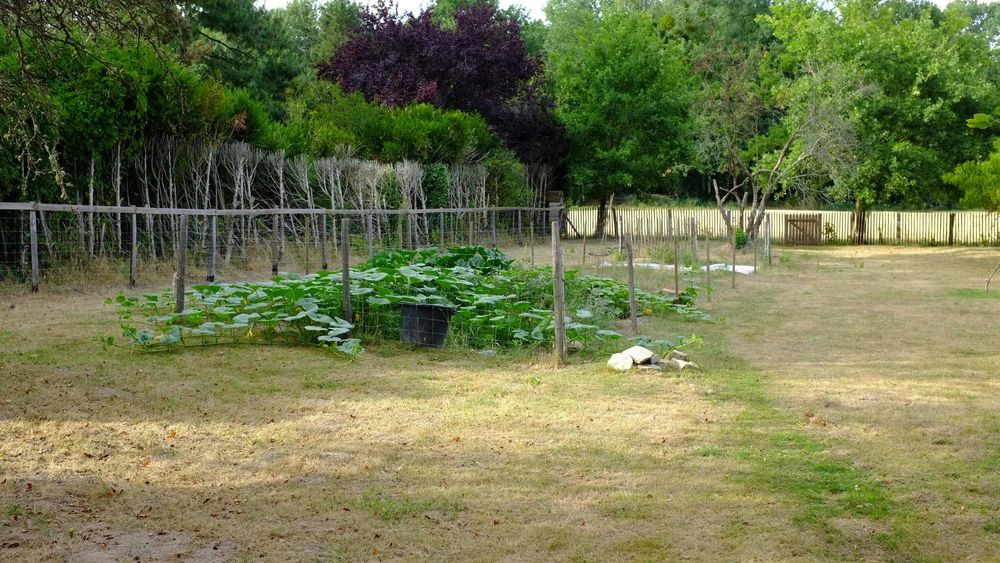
x,y
498,304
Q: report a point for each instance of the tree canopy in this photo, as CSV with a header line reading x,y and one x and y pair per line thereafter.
x,y
861,103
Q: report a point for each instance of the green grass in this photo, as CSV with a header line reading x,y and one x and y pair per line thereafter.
x,y
966,293
391,509
777,453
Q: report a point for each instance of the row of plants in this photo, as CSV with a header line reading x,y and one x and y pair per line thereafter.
x,y
497,305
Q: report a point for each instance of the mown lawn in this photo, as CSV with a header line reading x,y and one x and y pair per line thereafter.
x,y
848,408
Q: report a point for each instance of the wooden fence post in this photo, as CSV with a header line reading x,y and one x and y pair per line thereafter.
x,y
133,270
951,228
33,225
769,263
323,260
369,234
520,233
441,228
468,226
733,240
677,267
633,311
212,247
275,250
181,273
708,267
531,241
899,227
694,240
493,228
583,255
620,228
558,298
345,271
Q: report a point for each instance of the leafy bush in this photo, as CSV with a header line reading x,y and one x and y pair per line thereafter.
x,y
742,238
436,178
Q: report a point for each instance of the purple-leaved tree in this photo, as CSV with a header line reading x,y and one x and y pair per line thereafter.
x,y
480,65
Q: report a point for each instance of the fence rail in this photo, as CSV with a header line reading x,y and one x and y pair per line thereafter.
x,y
879,227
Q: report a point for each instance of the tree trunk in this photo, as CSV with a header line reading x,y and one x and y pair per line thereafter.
x,y
859,222
602,218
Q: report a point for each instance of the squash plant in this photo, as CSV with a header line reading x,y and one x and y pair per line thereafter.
x,y
498,305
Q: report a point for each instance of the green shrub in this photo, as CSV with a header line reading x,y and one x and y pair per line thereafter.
x,y
436,180
742,238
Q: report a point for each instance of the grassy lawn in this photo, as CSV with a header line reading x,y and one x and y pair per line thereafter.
x,y
848,408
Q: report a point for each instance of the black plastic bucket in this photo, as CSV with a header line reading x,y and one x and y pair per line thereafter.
x,y
424,324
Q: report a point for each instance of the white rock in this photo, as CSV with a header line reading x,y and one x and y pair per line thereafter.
x,y
639,354
651,366
620,362
677,355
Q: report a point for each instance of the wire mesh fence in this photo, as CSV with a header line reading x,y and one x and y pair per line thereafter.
x,y
179,253
278,264
239,244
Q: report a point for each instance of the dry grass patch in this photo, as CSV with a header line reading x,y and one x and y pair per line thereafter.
x,y
847,410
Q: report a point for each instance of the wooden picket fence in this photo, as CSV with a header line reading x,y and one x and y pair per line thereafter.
x,y
979,228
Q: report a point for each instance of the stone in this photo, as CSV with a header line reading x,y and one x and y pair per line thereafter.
x,y
639,354
620,362
655,366
655,359
575,346
678,355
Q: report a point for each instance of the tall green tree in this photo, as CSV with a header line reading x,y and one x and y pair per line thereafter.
x,y
929,74
623,95
249,47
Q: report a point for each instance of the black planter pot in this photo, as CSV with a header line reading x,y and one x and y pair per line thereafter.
x,y
424,324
